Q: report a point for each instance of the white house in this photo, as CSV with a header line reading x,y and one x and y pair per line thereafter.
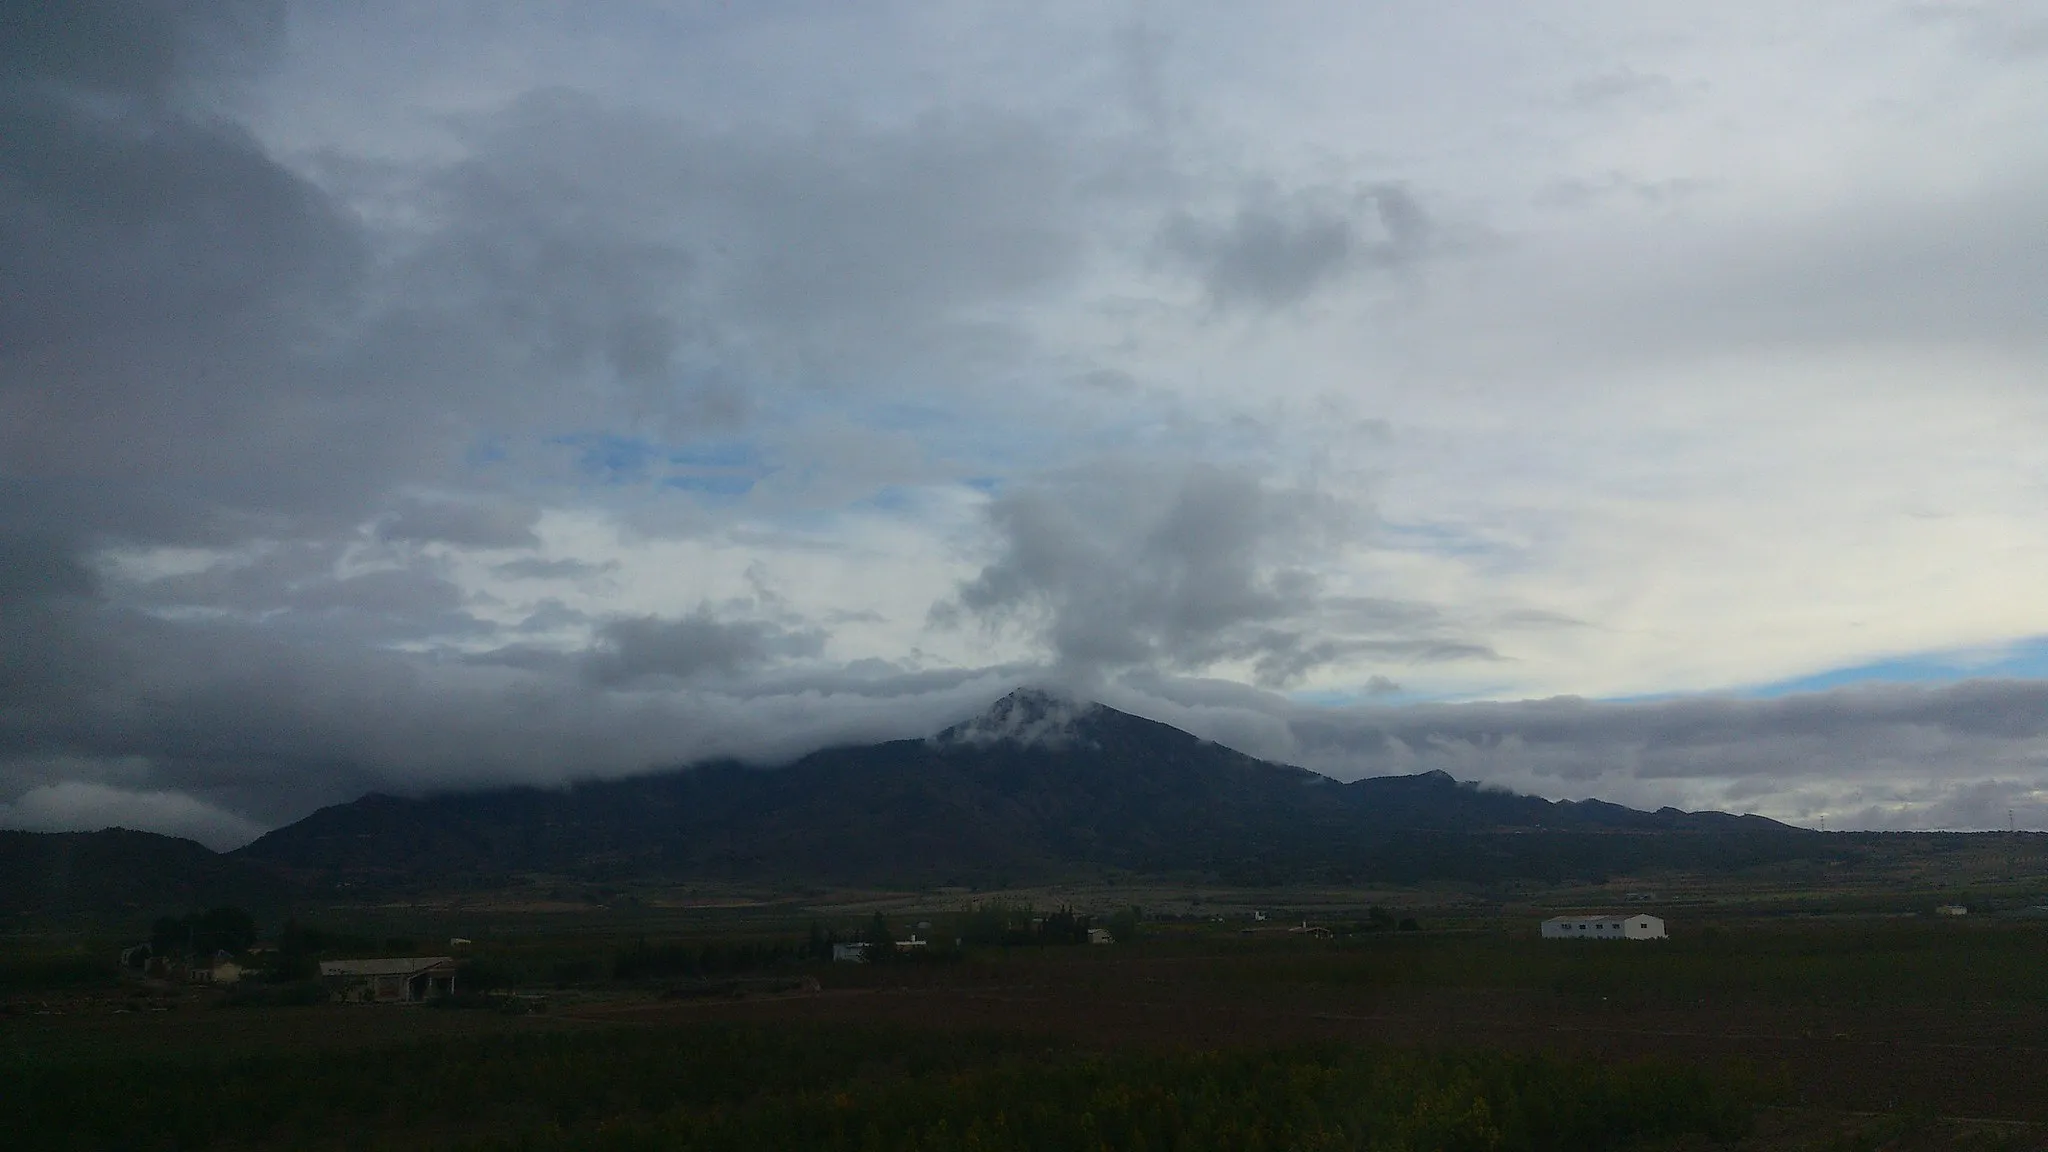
x,y
1637,927
855,953
1100,936
1952,910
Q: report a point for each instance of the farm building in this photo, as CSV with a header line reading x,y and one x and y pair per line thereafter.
x,y
855,953
1100,936
1952,910
222,969
395,980
1637,927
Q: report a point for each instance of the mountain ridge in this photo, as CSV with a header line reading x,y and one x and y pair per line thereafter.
x,y
1036,786
124,870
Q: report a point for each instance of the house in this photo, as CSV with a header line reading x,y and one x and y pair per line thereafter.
x,y
1952,910
222,969
1100,936
855,953
394,980
914,944
1637,927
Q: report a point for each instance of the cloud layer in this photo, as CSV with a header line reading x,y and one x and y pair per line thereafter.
x,y
414,400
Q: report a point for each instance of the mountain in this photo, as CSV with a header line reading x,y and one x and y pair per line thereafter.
x,y
117,871
1037,787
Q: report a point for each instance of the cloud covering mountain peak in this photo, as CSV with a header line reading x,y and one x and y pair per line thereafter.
x,y
408,400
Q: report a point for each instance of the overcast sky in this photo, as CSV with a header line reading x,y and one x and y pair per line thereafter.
x,y
1643,401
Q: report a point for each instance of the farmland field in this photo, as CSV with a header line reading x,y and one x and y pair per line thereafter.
x,y
1800,1032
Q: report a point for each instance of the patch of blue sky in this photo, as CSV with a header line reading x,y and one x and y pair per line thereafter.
x,y
2021,660
609,458
726,468
728,453
485,451
722,468
729,486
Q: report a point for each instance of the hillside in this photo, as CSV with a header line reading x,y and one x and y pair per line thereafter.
x,y
117,871
1035,788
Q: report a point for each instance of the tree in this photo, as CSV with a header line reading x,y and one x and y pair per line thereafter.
x,y
226,930
203,933
881,941
1123,923
167,936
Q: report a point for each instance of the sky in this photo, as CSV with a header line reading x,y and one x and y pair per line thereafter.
x,y
1641,401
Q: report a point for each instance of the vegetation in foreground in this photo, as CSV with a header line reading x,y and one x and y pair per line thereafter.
x,y
711,1087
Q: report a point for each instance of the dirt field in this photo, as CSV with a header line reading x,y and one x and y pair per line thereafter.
x,y
1983,1062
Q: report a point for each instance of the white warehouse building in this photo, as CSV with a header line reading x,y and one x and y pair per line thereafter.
x,y
1637,927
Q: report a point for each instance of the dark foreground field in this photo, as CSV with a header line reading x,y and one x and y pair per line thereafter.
x,y
1886,1020
1841,1036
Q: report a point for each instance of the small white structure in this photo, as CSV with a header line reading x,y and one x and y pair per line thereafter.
x,y
396,980
1637,927
855,953
222,969
1952,910
1100,936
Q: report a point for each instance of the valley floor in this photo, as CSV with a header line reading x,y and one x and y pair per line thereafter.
x,y
1838,1034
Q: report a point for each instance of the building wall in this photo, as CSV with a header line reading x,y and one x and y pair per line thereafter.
x,y
1605,928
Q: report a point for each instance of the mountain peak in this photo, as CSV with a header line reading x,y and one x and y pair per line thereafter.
x,y
1028,715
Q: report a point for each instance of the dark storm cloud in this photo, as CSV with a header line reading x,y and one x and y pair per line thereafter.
x,y
663,273
306,587
257,725
217,349
163,269
1277,251
459,522
1185,567
200,345
136,49
646,647
37,567
534,568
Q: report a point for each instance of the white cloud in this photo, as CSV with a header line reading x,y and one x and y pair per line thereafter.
x,y
78,806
